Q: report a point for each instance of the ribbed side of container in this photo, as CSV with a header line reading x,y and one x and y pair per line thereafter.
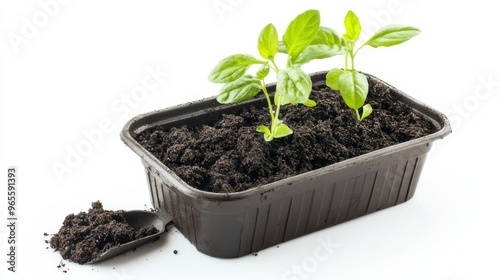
x,y
323,201
237,224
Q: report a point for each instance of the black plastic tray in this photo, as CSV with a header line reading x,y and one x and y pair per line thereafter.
x,y
237,224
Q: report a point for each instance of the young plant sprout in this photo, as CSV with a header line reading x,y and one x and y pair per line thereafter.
x,y
352,85
304,40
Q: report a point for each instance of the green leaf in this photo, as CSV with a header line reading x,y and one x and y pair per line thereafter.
x,y
392,35
301,31
332,78
263,72
242,89
294,84
264,129
268,42
282,130
367,110
310,103
282,47
327,36
353,87
352,27
326,43
232,68
278,98
267,133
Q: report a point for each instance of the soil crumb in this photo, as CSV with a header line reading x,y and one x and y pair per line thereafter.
x,y
86,235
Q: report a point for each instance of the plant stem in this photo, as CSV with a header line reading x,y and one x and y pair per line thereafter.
x,y
352,54
269,104
357,114
274,66
356,52
275,120
346,57
274,114
352,61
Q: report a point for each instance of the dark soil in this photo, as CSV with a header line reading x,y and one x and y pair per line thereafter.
x,y
85,236
230,156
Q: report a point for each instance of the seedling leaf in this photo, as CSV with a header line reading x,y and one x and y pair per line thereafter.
x,y
282,130
310,103
392,35
332,78
263,72
268,42
282,47
352,27
353,87
264,129
326,43
294,84
232,68
367,110
300,32
242,89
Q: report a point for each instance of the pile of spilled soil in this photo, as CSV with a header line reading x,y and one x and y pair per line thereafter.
x,y
85,236
228,155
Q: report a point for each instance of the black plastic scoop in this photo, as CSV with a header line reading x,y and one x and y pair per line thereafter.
x,y
138,219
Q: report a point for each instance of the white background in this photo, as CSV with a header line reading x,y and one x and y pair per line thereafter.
x,y
69,66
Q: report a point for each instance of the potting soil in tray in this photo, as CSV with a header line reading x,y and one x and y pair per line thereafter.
x,y
86,235
230,156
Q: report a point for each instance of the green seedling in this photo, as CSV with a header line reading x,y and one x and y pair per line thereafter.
x,y
304,40
353,85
